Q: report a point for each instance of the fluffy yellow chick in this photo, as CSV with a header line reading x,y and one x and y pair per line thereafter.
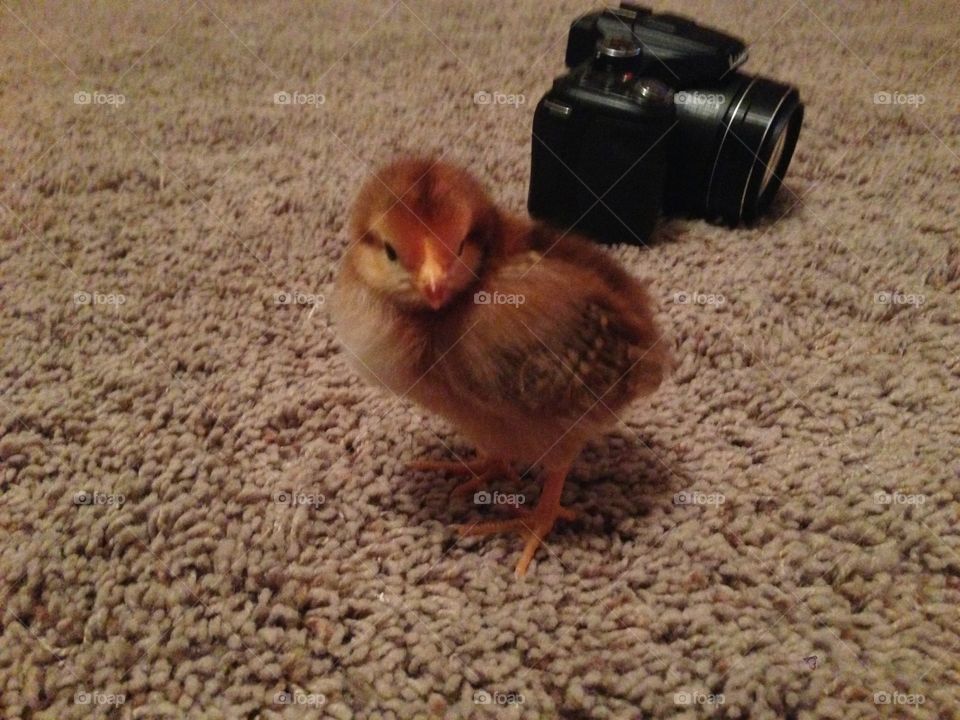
x,y
527,340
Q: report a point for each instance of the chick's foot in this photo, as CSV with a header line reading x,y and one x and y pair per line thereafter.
x,y
533,525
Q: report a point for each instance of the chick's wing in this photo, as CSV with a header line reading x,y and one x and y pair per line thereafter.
x,y
559,335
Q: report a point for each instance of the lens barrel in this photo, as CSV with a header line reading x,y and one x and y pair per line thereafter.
x,y
732,147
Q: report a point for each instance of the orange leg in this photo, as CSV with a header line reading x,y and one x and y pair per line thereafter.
x,y
482,469
534,525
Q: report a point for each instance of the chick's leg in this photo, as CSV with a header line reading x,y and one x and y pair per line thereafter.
x,y
533,526
481,472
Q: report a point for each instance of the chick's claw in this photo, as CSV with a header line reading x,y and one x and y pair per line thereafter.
x,y
484,470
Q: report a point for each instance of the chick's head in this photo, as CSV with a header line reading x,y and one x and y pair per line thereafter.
x,y
420,231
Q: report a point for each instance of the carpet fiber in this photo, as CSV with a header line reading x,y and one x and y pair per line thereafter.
x,y
206,514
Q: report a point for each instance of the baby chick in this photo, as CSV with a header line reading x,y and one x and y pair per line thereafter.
x,y
527,340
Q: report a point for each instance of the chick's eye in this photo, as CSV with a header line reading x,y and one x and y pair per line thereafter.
x,y
474,236
391,253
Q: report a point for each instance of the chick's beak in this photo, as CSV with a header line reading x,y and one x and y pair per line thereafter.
x,y
434,290
436,295
432,283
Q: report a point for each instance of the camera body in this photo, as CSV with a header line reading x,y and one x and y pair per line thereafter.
x,y
654,117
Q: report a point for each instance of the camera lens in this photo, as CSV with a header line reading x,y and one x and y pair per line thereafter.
x,y
773,162
733,147
763,131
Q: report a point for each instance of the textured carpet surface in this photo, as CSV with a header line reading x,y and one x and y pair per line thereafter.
x,y
170,381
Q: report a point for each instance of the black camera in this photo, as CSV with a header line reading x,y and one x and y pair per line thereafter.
x,y
653,117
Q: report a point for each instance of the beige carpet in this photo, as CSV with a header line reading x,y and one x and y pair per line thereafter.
x,y
148,361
